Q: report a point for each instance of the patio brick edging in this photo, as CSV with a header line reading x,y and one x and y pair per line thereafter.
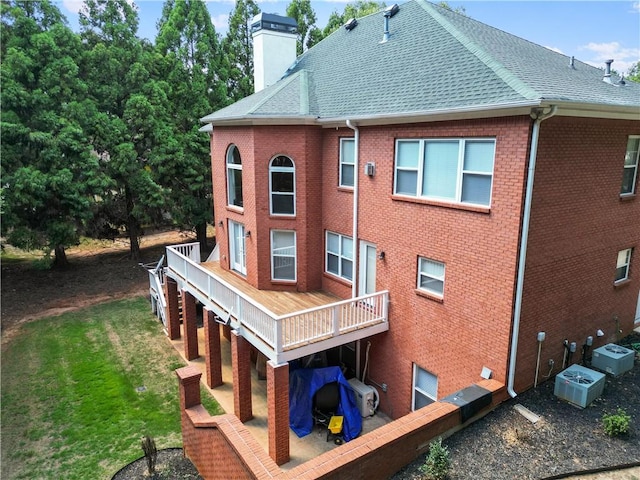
x,y
221,447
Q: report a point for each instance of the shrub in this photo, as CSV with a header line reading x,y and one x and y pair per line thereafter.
x,y
436,466
616,423
150,453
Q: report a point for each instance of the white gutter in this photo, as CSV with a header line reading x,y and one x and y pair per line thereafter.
x,y
356,168
538,116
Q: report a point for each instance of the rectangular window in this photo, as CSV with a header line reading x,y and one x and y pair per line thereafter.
x,y
347,162
630,172
622,265
455,170
237,252
339,260
431,276
425,387
283,255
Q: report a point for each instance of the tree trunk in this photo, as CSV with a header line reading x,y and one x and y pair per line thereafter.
x,y
201,236
133,227
60,260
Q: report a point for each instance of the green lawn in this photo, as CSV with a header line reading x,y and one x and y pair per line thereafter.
x,y
71,405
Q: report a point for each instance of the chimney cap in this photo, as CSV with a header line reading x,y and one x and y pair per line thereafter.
x,y
274,22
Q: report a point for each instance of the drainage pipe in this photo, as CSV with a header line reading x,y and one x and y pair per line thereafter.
x,y
354,284
538,116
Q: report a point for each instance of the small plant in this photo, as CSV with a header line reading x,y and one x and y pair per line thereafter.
x,y
436,466
616,423
150,453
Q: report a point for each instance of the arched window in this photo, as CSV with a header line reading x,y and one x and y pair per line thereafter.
x,y
282,181
234,176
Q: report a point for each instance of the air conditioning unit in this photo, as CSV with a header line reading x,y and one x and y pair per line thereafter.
x,y
613,359
367,397
579,385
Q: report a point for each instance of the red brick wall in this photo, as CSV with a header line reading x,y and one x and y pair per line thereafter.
x,y
469,329
578,225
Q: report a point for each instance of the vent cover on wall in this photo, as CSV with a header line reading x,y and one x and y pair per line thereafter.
x,y
613,359
579,385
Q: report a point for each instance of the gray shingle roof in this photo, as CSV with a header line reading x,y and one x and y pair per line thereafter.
x,y
435,60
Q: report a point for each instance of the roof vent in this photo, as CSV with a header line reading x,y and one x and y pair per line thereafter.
x,y
607,71
572,62
351,24
388,13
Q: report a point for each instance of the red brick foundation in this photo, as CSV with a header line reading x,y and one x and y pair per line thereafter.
x,y
241,366
190,322
173,308
278,411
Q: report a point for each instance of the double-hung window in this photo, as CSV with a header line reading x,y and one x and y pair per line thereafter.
x,y
283,255
630,172
425,387
431,276
622,265
453,170
282,186
234,177
347,162
339,259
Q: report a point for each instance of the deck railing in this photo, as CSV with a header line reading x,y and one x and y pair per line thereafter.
x,y
280,332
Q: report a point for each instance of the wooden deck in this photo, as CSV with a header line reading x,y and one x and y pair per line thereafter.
x,y
280,303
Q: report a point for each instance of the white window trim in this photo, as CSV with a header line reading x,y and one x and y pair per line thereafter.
x,y
291,170
339,255
294,256
342,163
625,263
435,277
634,167
431,395
232,166
460,169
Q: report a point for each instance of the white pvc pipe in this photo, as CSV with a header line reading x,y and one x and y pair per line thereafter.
x,y
539,117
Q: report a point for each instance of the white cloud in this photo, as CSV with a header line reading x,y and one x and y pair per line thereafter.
x,y
635,7
221,22
624,58
73,5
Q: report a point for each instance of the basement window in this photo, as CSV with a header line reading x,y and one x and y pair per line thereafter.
x,y
622,265
425,388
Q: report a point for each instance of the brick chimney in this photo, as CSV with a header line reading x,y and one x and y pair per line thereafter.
x,y
274,48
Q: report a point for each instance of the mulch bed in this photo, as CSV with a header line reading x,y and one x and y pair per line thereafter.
x,y
171,464
506,446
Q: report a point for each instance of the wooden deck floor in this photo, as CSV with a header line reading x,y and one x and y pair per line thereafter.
x,y
280,303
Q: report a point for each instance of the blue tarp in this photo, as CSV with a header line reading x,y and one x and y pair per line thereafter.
x,y
304,383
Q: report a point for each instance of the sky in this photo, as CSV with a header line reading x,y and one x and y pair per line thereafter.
x,y
592,31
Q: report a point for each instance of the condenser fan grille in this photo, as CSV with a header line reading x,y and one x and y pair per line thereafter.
x,y
615,349
578,377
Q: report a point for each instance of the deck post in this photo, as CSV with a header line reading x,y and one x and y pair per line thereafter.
x,y
212,354
278,411
173,308
190,324
241,366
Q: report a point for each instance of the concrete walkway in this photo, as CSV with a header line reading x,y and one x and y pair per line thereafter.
x,y
301,449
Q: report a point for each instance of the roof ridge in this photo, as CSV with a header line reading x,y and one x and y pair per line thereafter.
x,y
280,85
500,70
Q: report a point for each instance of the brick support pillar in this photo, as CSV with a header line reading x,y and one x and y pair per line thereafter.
x,y
212,354
190,323
189,385
226,332
173,308
278,411
241,366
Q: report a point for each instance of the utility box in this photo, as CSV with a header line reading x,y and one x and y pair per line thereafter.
x,y
613,359
470,400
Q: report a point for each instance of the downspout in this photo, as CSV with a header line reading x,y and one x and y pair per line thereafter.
x,y
538,116
356,168
354,285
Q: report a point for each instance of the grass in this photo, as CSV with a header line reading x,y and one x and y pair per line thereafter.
x,y
71,406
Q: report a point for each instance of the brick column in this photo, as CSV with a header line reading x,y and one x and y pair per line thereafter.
x,y
189,385
278,411
173,309
241,366
212,353
226,332
190,323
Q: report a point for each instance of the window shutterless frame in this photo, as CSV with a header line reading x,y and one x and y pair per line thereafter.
x,y
283,255
339,255
425,388
347,162
234,177
622,265
282,186
630,171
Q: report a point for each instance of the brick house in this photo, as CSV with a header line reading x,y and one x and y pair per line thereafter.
x,y
415,199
